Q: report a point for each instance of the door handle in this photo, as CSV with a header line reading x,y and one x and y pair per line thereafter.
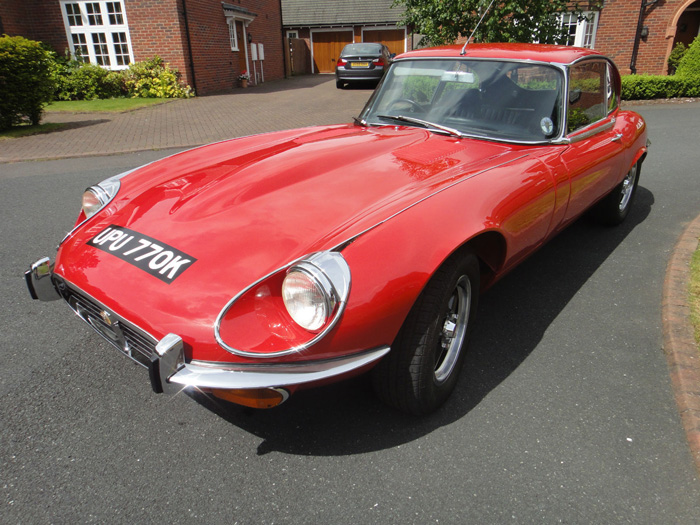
x,y
617,137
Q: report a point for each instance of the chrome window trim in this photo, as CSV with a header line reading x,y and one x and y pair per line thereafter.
x,y
591,130
583,133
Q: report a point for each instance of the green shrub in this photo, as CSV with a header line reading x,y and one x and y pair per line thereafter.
x,y
689,65
675,57
26,85
155,79
81,81
646,87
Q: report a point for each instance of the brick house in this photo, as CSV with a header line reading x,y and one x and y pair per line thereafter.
x,y
210,42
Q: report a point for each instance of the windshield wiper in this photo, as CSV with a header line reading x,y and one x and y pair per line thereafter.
x,y
426,123
360,121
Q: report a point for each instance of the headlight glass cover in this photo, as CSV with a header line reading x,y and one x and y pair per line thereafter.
x,y
97,197
308,299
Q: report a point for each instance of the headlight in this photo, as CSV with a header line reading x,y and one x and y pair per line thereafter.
x,y
309,300
288,310
97,197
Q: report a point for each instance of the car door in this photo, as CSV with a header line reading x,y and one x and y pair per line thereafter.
x,y
594,159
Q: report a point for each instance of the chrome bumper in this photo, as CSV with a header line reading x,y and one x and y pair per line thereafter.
x,y
38,279
232,376
168,371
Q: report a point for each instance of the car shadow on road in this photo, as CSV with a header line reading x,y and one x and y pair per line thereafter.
x,y
347,418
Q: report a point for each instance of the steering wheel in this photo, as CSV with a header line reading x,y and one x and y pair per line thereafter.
x,y
415,106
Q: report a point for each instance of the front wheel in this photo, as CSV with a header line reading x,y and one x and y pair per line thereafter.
x,y
614,208
422,369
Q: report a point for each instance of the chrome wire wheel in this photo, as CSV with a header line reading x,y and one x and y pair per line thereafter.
x,y
454,329
627,188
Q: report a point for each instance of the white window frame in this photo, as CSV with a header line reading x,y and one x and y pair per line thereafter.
x,y
233,33
586,27
106,28
292,33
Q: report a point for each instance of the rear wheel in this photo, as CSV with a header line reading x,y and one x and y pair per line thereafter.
x,y
422,369
614,208
339,84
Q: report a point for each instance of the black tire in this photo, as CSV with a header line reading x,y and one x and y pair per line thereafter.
x,y
339,84
615,207
422,368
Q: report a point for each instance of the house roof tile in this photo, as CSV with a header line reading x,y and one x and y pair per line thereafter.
x,y
298,13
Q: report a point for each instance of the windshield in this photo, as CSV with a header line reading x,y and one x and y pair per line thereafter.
x,y
512,101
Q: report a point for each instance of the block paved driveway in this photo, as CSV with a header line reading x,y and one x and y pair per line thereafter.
x,y
283,104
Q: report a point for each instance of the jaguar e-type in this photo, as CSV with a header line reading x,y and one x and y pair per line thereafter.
x,y
254,267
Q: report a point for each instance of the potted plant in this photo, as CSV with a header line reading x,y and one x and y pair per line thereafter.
x,y
243,78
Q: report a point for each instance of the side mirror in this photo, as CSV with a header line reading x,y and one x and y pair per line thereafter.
x,y
574,95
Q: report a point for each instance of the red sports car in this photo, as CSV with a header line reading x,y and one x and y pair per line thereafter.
x,y
257,266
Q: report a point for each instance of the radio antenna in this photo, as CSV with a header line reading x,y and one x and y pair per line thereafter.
x,y
464,49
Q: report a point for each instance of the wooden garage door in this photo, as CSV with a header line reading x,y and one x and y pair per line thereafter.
x,y
391,38
327,46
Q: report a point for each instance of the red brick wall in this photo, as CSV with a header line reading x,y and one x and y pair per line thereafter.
x,y
35,20
617,27
158,28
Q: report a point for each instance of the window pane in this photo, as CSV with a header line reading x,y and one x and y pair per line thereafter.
x,y
80,47
121,49
232,35
94,14
115,13
587,97
73,13
570,22
99,43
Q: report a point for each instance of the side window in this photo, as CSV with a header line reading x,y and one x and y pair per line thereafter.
x,y
588,94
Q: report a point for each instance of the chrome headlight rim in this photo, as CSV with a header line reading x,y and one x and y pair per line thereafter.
x,y
328,265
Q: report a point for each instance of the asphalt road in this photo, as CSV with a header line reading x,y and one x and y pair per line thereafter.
x,y
564,413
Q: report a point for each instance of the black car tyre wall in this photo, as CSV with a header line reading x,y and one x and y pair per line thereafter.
x,y
422,368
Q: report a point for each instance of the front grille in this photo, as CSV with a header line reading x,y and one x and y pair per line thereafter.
x,y
123,335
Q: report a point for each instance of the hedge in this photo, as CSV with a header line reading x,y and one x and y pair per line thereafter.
x,y
26,85
645,87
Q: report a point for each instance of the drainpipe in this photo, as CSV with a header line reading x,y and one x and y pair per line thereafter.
x,y
189,44
638,33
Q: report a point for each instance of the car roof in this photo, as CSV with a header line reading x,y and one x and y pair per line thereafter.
x,y
538,52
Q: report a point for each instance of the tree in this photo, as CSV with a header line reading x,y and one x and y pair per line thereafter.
x,y
443,21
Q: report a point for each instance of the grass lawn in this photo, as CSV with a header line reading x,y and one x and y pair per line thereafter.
x,y
694,290
112,105
25,131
